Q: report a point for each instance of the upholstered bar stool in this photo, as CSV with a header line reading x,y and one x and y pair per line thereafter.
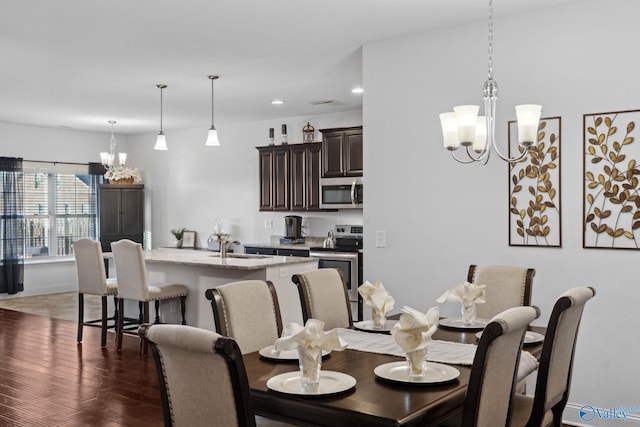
x,y
92,280
131,274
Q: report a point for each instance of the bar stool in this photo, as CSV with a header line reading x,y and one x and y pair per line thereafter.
x,y
131,273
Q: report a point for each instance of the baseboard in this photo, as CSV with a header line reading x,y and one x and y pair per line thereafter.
x,y
592,416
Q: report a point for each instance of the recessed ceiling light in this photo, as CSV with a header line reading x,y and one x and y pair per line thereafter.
x,y
357,90
277,102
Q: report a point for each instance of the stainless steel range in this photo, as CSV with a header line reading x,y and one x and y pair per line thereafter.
x,y
346,255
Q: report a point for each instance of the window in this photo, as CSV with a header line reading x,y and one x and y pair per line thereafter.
x,y
60,207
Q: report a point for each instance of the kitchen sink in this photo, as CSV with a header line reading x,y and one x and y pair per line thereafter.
x,y
245,256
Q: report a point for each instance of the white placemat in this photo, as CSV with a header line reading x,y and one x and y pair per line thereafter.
x,y
437,350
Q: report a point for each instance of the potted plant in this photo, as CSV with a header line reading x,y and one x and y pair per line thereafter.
x,y
178,233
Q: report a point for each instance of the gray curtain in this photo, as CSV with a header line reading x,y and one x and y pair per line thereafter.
x,y
12,226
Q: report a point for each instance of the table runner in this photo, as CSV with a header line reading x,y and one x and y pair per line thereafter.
x,y
437,351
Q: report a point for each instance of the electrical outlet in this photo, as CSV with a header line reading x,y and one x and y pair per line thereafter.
x,y
381,239
268,223
284,272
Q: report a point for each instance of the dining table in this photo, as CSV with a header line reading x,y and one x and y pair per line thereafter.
x,y
373,401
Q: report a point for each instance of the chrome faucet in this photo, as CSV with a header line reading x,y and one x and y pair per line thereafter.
x,y
224,246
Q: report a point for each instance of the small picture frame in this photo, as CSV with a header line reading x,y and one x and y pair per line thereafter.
x,y
189,239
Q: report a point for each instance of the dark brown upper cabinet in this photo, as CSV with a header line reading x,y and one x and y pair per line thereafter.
x,y
274,178
305,176
342,152
290,177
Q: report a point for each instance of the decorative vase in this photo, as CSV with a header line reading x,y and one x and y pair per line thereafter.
x,y
379,319
417,364
178,243
310,362
468,312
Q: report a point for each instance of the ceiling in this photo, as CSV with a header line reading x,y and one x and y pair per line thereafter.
x,y
79,63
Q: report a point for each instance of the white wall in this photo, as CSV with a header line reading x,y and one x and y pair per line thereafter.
x,y
573,60
190,184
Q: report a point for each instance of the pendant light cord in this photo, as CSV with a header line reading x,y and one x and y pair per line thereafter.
x,y
212,78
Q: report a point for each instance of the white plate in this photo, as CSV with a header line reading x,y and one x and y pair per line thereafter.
x,y
529,338
437,373
457,323
330,383
269,352
367,326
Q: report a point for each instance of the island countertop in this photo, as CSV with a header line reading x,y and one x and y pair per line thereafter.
x,y
212,259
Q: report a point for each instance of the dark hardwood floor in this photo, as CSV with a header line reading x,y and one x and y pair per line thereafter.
x,y
47,379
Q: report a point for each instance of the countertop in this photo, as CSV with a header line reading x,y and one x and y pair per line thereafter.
x,y
206,258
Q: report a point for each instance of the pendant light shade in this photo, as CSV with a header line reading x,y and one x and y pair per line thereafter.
x,y
161,141
212,138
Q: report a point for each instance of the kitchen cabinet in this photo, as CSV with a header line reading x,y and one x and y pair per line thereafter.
x,y
290,177
342,152
306,162
274,178
266,250
121,210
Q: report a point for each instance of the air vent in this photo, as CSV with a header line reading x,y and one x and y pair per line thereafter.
x,y
325,102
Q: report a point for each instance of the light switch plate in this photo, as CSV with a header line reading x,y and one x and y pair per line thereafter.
x,y
381,239
268,223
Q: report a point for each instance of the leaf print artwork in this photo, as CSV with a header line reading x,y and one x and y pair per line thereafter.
x,y
611,208
534,189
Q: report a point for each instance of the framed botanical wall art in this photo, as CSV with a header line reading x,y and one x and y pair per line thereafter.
x,y
611,205
534,188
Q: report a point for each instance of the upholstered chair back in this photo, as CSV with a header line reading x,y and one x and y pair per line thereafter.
x,y
202,377
248,312
131,270
495,367
323,296
92,277
556,362
506,287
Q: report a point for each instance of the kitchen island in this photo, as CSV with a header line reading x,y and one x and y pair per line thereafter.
x,y
200,270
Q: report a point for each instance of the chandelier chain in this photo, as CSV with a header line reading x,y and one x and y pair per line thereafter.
x,y
490,72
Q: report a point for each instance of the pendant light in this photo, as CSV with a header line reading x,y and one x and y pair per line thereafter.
x,y
161,141
212,138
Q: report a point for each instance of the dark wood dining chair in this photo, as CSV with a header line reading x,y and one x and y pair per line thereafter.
x,y
92,280
202,377
247,311
506,287
324,296
545,408
494,371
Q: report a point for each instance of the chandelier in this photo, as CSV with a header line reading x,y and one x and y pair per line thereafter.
x,y
108,159
463,127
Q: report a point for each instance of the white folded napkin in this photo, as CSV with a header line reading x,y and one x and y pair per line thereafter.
x,y
414,329
310,338
377,297
465,293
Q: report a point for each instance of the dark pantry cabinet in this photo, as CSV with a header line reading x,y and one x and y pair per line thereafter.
x,y
342,152
121,213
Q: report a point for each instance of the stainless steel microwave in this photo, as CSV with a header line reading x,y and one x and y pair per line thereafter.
x,y
341,193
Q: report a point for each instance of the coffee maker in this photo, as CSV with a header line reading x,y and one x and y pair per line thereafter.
x,y
293,228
